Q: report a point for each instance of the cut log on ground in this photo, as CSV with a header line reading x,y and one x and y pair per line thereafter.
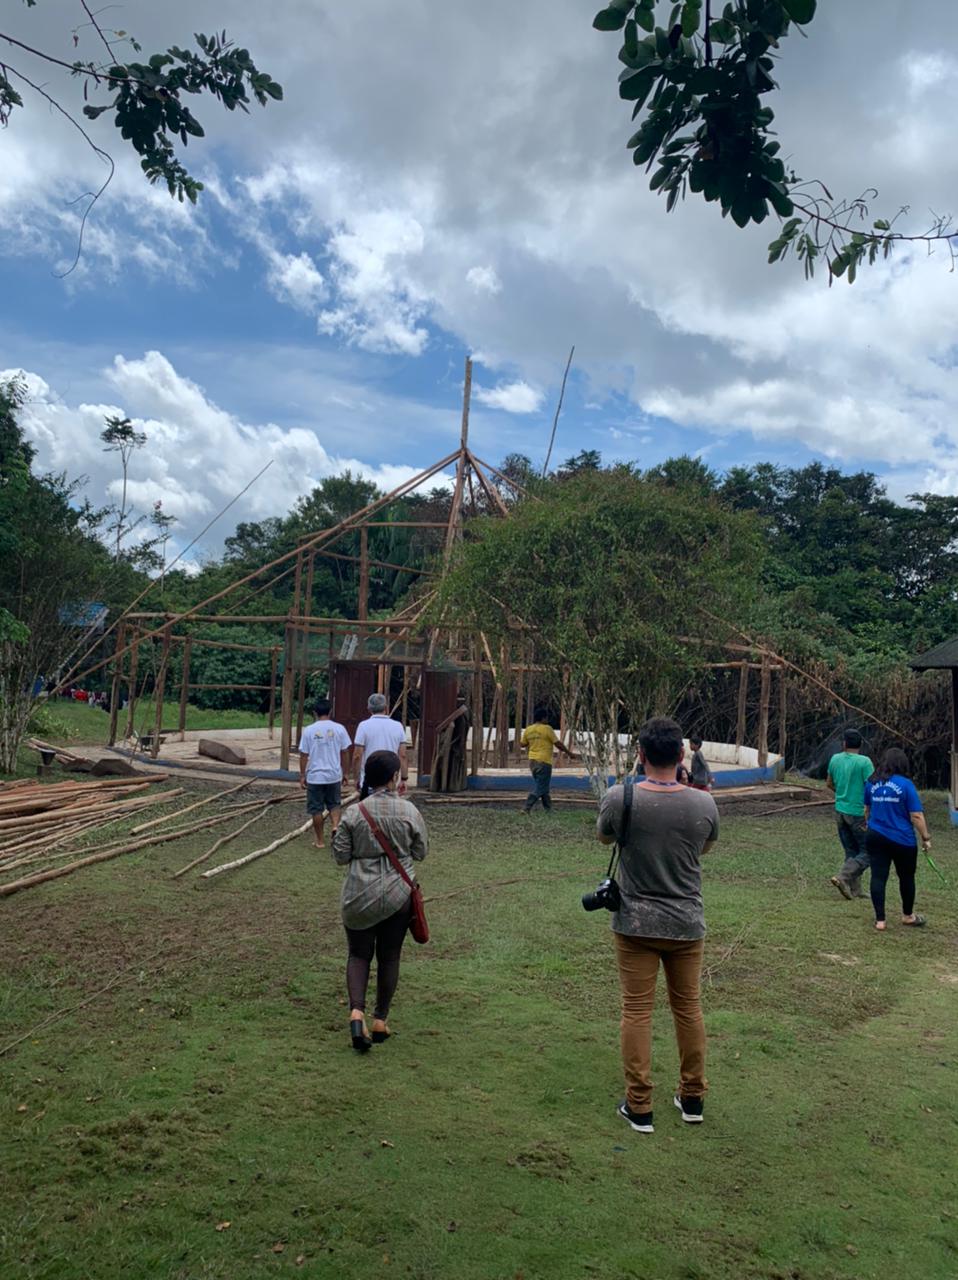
x,y
221,751
259,853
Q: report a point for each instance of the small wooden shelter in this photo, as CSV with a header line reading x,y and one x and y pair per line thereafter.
x,y
944,657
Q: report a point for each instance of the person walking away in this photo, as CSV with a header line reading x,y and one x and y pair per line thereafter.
x,y
375,898
848,771
894,817
541,741
700,774
380,732
660,919
323,763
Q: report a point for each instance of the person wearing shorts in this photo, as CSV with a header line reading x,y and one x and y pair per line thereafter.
x,y
323,761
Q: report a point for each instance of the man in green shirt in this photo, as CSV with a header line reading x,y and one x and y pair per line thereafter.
x,y
848,771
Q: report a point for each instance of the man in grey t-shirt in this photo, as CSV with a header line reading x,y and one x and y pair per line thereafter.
x,y
660,918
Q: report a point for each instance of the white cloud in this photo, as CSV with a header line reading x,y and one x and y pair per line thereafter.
x,y
510,397
295,278
197,456
484,280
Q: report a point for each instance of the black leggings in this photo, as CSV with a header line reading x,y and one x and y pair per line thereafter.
x,y
884,853
385,940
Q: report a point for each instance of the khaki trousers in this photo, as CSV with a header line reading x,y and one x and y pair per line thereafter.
x,y
638,970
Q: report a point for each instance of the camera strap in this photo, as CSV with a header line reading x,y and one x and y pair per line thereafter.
x,y
624,830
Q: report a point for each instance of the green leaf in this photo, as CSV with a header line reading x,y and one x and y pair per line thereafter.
x,y
800,11
691,17
609,20
723,32
646,19
631,39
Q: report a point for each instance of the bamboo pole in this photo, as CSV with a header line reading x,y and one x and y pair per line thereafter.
x,y
742,705
185,685
104,855
159,689
258,853
131,687
166,817
763,714
221,841
116,685
286,703
274,659
477,718
782,712
301,692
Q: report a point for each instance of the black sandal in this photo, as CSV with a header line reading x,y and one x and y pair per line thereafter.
x,y
380,1037
919,922
360,1038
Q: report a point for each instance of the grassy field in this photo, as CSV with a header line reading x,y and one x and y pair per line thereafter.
x,y
205,1117
83,723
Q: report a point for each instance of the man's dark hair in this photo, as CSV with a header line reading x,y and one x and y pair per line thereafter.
x,y
380,768
541,715
893,761
322,707
852,738
661,740
695,740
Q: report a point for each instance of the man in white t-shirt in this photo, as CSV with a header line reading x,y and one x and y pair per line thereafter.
x,y
379,733
323,763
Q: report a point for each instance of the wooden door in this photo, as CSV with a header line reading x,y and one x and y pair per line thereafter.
x,y
440,690
351,684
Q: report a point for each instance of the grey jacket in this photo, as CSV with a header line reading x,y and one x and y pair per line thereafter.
x,y
372,890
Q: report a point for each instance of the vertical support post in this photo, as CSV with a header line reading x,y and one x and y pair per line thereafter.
x,y
517,723
404,712
502,730
307,611
185,684
742,704
158,692
782,711
363,602
286,699
477,717
117,685
131,703
954,738
273,662
763,712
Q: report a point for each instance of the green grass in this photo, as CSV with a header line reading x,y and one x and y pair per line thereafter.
x,y
91,725
215,1084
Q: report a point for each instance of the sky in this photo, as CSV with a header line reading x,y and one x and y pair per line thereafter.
x,y
450,179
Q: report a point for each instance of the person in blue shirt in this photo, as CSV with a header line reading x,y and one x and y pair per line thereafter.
x,y
893,815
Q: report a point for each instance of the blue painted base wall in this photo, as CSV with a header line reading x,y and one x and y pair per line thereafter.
x,y
952,813
571,782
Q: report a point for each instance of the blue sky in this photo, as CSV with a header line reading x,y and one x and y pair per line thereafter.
x,y
359,239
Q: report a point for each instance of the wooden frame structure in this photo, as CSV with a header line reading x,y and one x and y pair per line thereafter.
x,y
498,678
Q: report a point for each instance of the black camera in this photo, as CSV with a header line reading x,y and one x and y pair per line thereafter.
x,y
607,896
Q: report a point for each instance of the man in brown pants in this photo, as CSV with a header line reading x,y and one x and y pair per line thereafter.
x,y
660,917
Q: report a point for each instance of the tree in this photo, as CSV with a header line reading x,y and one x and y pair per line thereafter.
x,y
163,523
120,436
605,574
51,567
147,100
702,82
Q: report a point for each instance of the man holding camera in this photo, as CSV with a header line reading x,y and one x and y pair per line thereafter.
x,y
662,829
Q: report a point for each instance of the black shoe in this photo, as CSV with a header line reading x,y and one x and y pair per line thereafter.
x,y
357,1032
691,1109
640,1123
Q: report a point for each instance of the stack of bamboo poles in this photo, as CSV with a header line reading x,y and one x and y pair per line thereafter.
x,y
45,827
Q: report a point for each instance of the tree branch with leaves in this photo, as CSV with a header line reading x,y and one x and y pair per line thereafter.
x,y
148,100
701,85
